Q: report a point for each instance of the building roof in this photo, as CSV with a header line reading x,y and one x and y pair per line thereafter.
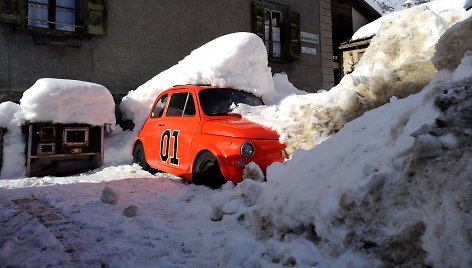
x,y
368,8
372,5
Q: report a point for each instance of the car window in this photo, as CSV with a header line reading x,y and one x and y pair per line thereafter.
x,y
158,109
181,104
219,101
190,107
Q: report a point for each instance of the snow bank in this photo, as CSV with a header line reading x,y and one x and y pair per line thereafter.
x,y
68,101
391,188
437,7
237,60
397,63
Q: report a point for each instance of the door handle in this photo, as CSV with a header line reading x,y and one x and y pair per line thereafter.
x,y
161,124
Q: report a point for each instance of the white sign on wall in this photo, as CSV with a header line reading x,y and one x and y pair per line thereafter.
x,y
309,38
309,50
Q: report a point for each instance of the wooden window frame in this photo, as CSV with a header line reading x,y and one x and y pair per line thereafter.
x,y
52,23
91,18
290,43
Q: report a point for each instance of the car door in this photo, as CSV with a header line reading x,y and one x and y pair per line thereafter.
x,y
177,133
152,130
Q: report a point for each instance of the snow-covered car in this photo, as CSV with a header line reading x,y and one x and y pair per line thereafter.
x,y
190,132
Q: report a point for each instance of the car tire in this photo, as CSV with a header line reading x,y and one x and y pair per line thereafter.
x,y
207,171
140,158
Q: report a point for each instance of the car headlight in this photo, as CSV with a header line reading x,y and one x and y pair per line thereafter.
x,y
247,150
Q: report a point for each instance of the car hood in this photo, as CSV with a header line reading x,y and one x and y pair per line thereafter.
x,y
237,127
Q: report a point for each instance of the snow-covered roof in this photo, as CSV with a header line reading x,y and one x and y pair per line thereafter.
x,y
437,7
68,101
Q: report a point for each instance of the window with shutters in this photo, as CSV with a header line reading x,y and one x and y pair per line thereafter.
x,y
53,17
279,28
60,15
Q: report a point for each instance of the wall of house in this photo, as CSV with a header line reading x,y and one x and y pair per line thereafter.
x,y
144,37
358,20
306,74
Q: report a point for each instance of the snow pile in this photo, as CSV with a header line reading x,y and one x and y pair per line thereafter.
x,y
118,147
397,63
56,101
237,60
284,88
438,7
391,188
409,205
13,141
68,101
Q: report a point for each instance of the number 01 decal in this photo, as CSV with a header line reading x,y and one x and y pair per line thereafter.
x,y
165,144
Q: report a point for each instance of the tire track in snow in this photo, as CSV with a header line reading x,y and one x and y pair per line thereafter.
x,y
72,236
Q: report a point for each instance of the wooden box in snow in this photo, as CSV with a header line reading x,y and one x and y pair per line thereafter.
x,y
62,149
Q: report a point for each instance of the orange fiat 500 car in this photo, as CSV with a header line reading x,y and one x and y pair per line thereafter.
x,y
190,132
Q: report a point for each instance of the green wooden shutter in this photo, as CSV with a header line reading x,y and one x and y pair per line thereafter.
x,y
10,11
258,18
295,47
96,17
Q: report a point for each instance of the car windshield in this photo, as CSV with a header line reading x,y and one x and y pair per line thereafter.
x,y
220,101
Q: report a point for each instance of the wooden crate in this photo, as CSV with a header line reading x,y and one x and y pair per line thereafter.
x,y
62,149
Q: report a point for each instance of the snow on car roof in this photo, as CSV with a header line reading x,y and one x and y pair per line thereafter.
x,y
237,60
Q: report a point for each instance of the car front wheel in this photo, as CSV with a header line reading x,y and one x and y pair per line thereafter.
x,y
207,171
140,158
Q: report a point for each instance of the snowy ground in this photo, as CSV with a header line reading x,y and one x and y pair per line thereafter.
x,y
386,186
67,224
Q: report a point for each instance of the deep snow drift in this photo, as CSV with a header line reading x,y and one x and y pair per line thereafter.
x,y
392,187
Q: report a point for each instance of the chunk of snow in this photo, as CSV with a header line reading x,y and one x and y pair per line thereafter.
x,y
452,46
253,172
130,211
109,196
68,101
